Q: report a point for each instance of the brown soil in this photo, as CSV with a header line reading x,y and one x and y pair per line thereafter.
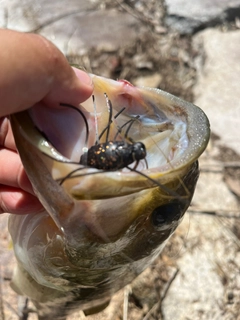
x,y
171,56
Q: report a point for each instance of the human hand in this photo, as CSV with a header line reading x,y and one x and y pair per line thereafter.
x,y
32,69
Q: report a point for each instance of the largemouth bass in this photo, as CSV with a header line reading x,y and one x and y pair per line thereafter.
x,y
101,228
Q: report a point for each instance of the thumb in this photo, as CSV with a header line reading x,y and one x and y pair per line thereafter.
x,y
33,69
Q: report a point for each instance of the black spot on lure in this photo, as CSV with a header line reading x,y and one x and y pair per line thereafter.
x,y
98,231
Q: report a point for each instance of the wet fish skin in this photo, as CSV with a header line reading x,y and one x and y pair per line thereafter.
x,y
140,253
84,247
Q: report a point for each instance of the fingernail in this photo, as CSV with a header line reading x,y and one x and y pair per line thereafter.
x,y
83,77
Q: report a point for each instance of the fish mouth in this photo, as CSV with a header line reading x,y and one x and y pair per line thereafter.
x,y
174,133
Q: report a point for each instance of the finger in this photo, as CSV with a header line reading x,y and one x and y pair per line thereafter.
x,y
13,200
72,90
12,172
6,135
39,71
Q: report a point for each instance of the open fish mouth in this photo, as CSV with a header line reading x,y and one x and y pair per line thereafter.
x,y
173,131
105,219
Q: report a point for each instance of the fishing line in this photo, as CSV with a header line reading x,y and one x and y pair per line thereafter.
x,y
83,116
95,118
110,120
109,105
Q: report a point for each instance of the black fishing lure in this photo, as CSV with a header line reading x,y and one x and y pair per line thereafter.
x,y
114,155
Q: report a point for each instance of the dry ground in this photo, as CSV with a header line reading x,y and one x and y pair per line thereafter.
x,y
196,277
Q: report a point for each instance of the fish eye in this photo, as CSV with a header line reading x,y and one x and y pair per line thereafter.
x,y
167,213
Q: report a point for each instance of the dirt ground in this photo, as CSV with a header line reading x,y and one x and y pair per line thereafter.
x,y
210,227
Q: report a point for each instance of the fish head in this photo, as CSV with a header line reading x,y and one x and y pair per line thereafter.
x,y
106,220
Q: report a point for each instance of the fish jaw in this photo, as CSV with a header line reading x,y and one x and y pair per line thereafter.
x,y
98,225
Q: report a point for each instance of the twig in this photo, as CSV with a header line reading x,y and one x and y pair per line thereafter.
x,y
220,166
23,310
131,11
217,213
166,290
50,21
127,291
163,296
8,305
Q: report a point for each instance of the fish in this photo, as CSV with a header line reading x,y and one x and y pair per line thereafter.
x,y
100,229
